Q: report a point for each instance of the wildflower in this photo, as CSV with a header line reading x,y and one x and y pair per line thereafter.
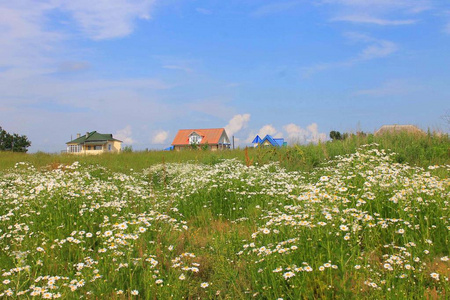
x,y
343,228
204,285
159,281
182,277
134,292
357,267
435,276
277,270
288,275
321,268
324,178
308,269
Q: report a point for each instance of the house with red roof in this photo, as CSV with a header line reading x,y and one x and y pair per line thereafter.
x,y
213,138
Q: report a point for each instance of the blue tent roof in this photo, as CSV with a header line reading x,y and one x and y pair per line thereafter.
x,y
256,140
280,141
169,148
270,139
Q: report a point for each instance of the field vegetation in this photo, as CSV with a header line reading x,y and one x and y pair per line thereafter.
x,y
366,217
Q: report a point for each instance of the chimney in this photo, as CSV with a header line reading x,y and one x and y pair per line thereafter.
x,y
87,134
78,135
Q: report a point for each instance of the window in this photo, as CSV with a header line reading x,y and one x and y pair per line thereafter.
x,y
73,148
195,139
98,147
109,147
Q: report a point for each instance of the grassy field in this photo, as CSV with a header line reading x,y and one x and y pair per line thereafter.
x,y
347,220
418,150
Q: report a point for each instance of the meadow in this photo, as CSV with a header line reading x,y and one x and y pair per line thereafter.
x,y
364,218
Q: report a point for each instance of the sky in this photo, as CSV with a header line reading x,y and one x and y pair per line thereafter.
x,y
143,69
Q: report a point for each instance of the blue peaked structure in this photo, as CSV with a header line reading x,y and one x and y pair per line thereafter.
x,y
268,140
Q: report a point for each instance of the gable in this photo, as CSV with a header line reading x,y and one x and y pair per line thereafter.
x,y
210,136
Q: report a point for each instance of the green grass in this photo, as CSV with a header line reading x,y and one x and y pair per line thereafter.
x,y
418,150
291,223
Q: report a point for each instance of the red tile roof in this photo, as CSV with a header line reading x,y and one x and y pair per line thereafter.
x,y
209,136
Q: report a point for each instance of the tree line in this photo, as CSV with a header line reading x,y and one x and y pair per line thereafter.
x,y
13,142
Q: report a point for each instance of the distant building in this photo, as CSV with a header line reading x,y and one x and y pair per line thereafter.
x,y
394,129
268,140
94,143
213,138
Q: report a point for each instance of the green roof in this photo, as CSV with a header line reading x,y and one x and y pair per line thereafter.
x,y
92,138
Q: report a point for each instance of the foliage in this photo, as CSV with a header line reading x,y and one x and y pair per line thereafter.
x,y
335,135
127,149
13,142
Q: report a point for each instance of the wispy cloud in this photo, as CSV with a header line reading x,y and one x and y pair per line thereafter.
x,y
104,19
73,66
378,12
179,68
203,11
375,49
373,20
218,107
447,25
390,88
274,8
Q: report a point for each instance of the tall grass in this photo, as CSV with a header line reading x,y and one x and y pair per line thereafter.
x,y
359,226
418,150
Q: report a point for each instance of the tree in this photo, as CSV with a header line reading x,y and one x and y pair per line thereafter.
x,y
335,135
13,142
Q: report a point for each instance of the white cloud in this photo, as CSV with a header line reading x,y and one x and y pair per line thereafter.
x,y
297,134
378,12
268,129
237,123
105,19
383,6
160,137
373,20
125,135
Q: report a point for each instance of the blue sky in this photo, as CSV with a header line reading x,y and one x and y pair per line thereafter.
x,y
143,69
